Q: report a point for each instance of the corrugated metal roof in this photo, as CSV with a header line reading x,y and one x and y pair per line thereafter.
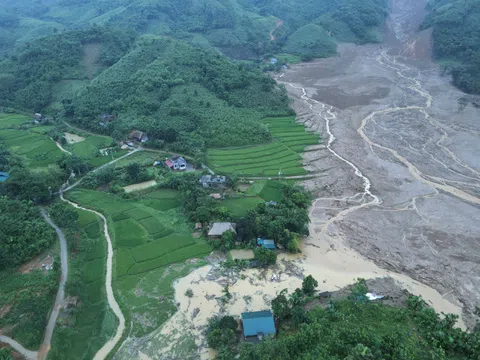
x,y
258,322
220,227
268,244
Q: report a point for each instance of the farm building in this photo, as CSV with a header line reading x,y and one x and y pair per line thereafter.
x,y
212,181
139,136
220,227
258,324
106,119
176,163
265,243
38,118
3,176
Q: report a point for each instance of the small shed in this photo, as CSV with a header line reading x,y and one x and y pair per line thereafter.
x,y
3,176
219,228
216,196
258,324
273,61
266,243
198,226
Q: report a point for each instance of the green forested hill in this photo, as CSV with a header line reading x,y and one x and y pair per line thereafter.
x,y
159,64
456,34
167,87
240,28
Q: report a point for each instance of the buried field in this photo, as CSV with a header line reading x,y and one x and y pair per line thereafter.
x,y
150,234
281,157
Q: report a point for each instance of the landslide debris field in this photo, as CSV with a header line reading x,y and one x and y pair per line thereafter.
x,y
401,172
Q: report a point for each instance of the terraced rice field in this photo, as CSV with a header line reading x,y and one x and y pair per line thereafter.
x,y
150,234
31,144
282,155
149,231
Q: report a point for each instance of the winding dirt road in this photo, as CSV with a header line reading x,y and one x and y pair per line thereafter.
x,y
42,354
112,302
45,347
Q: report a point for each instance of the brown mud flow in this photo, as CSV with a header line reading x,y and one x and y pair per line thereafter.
x,y
397,184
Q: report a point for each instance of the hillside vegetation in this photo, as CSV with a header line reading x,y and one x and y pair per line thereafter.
x,y
158,65
456,35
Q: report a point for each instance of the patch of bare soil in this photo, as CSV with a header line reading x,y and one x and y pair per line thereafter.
x,y
140,186
4,310
73,138
91,55
40,262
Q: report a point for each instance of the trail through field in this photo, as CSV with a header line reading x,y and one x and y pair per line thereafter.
x,y
44,349
61,148
272,33
112,302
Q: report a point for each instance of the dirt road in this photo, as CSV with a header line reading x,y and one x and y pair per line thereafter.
x,y
401,166
112,302
272,33
42,354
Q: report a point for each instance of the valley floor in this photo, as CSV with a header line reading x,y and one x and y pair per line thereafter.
x,y
397,188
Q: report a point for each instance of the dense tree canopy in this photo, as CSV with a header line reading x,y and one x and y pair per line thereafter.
x,y
24,232
456,34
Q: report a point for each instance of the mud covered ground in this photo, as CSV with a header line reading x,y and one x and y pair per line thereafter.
x,y
400,179
397,182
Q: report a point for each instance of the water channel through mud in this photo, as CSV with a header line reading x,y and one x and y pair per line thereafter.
x,y
397,190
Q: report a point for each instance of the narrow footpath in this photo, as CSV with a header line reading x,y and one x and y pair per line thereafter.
x,y
112,302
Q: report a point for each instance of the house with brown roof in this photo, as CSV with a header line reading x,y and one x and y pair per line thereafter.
x,y
139,136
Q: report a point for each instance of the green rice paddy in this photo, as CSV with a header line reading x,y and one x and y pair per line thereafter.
x,y
147,236
280,156
35,148
92,323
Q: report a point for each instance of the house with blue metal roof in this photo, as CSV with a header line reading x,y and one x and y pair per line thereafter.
x,y
265,243
3,176
258,324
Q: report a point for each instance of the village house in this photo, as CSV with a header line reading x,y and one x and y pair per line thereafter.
x,y
106,119
212,180
219,228
139,136
38,118
266,243
258,324
176,163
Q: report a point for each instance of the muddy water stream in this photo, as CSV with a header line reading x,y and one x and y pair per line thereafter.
x,y
397,191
